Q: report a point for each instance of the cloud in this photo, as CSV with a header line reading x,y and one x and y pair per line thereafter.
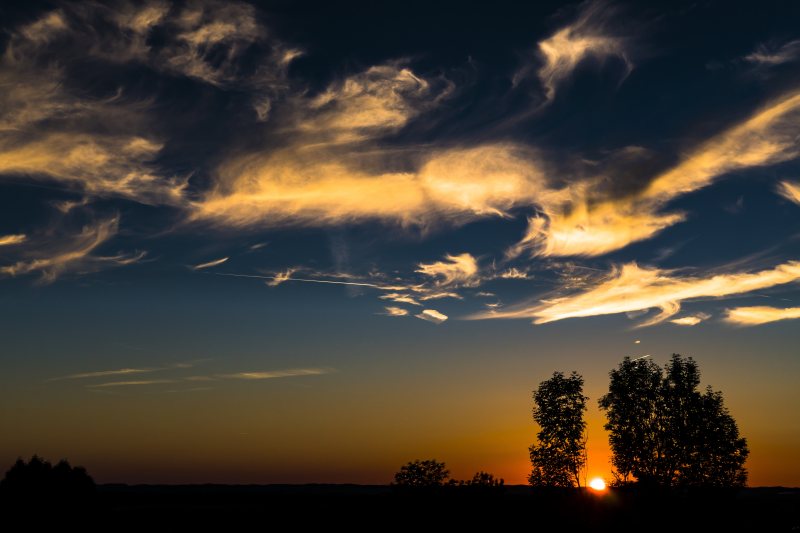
x,y
58,254
437,295
691,320
769,55
513,273
210,263
54,130
105,373
273,374
399,298
588,37
459,269
754,316
585,221
124,371
10,240
790,191
132,383
323,187
381,98
396,311
632,288
281,277
432,315
332,164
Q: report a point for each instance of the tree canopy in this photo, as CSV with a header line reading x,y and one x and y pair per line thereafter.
x,y
39,478
422,474
559,456
664,431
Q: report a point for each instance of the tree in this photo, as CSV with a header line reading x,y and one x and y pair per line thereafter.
x,y
485,479
39,479
422,474
663,431
560,455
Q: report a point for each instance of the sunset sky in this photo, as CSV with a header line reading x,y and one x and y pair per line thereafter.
x,y
300,242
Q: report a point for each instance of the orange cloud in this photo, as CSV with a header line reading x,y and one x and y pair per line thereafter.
x,y
754,316
790,191
631,288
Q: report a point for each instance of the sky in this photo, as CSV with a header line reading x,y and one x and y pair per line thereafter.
x,y
290,242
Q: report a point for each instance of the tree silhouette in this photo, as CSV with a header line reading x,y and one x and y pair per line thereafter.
x,y
422,474
663,431
560,455
39,479
485,479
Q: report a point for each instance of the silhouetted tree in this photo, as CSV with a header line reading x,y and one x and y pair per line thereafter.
x,y
39,479
560,455
422,474
663,431
485,479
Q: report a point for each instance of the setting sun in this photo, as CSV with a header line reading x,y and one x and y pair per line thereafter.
x,y
597,484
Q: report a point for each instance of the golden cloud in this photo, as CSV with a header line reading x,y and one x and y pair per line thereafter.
x,y
322,187
432,315
273,374
210,264
691,320
631,288
753,316
589,224
790,191
10,240
396,311
587,37
459,269
72,253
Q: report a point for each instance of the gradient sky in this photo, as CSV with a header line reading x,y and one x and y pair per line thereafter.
x,y
288,242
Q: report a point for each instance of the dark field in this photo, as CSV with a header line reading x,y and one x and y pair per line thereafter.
x,y
378,508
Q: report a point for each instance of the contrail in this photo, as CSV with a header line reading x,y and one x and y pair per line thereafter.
x,y
374,286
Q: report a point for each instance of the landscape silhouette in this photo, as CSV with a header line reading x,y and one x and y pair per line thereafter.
x,y
677,455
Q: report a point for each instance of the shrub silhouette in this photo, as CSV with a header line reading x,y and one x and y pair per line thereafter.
x,y
39,480
485,479
422,474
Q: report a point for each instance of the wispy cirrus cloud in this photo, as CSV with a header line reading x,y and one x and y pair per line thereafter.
x,y
790,191
57,254
53,130
461,269
274,374
105,373
589,222
590,36
756,315
10,240
771,54
209,264
134,383
631,288
124,371
400,298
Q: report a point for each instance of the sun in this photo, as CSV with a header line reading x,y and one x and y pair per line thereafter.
x,y
598,484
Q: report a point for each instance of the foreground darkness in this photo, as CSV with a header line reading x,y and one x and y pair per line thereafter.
x,y
299,507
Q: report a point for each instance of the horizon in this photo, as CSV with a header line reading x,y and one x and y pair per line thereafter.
x,y
265,243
